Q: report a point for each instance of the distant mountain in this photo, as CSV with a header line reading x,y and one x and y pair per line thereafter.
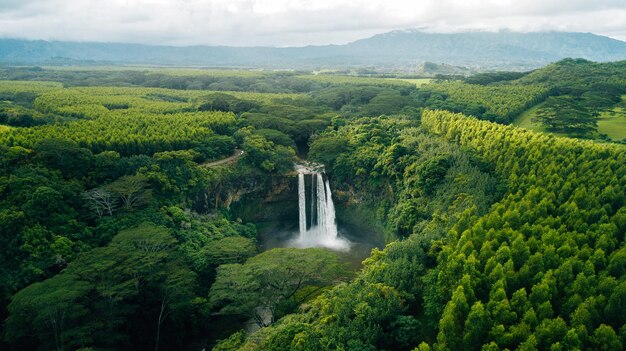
x,y
393,50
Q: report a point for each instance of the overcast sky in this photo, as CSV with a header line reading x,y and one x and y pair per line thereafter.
x,y
294,22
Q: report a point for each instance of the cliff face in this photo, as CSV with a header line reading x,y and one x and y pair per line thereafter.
x,y
276,202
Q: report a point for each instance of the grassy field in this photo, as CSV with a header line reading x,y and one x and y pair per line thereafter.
x,y
525,119
611,123
418,81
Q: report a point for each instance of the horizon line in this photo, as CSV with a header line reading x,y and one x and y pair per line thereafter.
x,y
406,30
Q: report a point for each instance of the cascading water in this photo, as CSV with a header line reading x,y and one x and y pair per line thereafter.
x,y
322,206
323,229
331,227
302,204
312,201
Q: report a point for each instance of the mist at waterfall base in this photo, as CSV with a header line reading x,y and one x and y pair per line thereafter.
x,y
322,230
276,217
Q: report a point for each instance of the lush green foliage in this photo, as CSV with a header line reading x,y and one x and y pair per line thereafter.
x,y
419,185
411,176
114,231
144,121
274,283
355,80
540,269
494,77
366,100
82,268
583,91
564,114
578,91
60,204
137,134
182,79
499,103
117,296
25,92
543,263
577,74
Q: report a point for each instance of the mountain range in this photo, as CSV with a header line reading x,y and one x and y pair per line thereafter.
x,y
393,50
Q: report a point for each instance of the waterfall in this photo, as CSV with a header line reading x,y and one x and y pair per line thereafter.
x,y
302,204
323,227
322,206
312,202
331,227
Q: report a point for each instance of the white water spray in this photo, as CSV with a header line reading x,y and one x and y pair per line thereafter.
x,y
312,201
322,206
323,230
331,227
302,204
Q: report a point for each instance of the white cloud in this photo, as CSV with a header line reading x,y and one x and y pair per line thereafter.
x,y
293,22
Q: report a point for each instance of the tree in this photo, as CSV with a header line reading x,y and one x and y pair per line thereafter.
x,y
231,249
66,156
133,191
45,201
566,115
233,343
476,326
605,339
98,299
432,173
273,280
616,306
326,149
264,154
174,287
50,310
100,201
224,102
450,336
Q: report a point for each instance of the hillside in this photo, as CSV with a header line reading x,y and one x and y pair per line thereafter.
x,y
122,224
397,50
587,100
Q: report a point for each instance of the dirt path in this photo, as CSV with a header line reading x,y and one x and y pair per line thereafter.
x,y
231,159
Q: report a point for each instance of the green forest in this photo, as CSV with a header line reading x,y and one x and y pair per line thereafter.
x,y
130,201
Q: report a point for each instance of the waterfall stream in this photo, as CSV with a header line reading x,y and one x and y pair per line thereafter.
x,y
331,226
302,204
323,227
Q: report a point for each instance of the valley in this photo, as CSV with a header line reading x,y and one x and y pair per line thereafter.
x,y
154,208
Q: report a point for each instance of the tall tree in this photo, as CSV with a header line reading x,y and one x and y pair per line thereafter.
x,y
272,282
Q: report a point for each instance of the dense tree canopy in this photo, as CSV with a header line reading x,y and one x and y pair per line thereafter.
x,y
274,283
117,230
537,270
499,103
82,268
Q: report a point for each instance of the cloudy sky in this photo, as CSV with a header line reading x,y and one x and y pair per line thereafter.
x,y
293,22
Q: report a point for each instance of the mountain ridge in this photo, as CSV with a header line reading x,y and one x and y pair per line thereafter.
x,y
400,49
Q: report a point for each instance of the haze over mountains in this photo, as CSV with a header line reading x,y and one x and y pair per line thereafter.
x,y
393,50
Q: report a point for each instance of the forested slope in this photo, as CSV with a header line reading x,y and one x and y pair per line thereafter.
x,y
111,230
546,265
571,97
499,238
498,103
542,269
